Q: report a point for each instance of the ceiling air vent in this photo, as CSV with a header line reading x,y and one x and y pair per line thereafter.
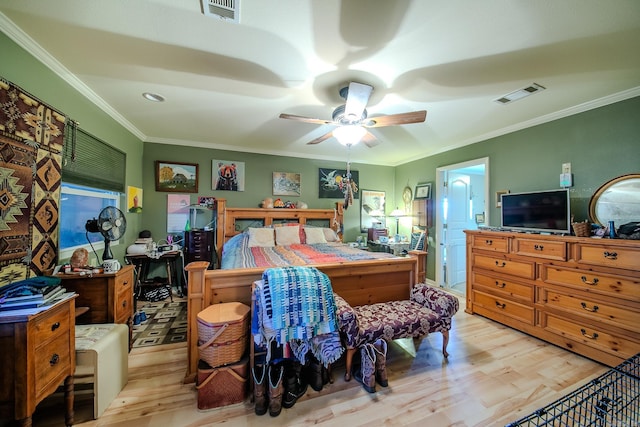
x,y
520,93
228,10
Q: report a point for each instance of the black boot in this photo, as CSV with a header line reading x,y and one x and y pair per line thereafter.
x,y
294,386
317,375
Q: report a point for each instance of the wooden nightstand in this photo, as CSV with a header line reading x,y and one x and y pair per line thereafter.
x,y
38,355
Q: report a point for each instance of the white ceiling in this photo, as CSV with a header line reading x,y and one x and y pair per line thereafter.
x,y
225,83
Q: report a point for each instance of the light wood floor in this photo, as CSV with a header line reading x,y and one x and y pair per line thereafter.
x,y
494,375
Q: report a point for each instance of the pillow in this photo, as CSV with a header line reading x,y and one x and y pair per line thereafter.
x,y
314,235
286,236
330,235
292,224
261,237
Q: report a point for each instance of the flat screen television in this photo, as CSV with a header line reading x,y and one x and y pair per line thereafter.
x,y
537,211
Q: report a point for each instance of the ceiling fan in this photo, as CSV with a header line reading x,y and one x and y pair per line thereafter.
x,y
352,121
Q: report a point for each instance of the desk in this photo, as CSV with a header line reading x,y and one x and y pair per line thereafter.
x,y
170,259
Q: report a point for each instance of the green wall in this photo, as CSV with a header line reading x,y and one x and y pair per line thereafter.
x,y
600,144
259,170
22,69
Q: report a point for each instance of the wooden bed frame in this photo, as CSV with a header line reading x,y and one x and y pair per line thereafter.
x,y
358,282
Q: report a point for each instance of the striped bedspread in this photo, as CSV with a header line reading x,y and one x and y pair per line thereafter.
x,y
237,254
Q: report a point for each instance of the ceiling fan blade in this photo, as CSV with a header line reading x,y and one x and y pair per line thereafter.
x,y
357,99
319,139
370,140
396,119
305,119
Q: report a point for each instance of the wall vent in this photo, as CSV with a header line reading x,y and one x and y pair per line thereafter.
x,y
520,93
228,10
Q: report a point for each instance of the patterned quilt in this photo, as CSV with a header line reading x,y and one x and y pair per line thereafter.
x,y
237,254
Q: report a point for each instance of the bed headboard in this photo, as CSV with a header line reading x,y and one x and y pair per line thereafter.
x,y
232,221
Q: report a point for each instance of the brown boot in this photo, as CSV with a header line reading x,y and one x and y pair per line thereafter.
x,y
366,375
380,347
260,389
275,389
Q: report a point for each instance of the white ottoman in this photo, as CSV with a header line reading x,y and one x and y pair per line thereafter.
x,y
102,354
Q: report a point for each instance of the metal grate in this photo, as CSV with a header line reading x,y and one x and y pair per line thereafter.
x,y
612,399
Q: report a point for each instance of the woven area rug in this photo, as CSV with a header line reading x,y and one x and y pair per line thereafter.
x,y
166,324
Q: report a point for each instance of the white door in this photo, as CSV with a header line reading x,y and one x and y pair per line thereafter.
x,y
462,191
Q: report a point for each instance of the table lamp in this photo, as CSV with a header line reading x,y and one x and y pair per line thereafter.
x,y
397,213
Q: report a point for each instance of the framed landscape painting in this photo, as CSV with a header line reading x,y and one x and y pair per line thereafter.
x,y
176,177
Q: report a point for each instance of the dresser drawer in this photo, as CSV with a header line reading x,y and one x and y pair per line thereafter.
x,y
592,309
546,249
122,282
51,326
593,281
594,337
504,287
524,269
490,243
608,256
505,306
124,306
52,362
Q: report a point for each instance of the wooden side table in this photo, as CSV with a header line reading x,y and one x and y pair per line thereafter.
x,y
38,355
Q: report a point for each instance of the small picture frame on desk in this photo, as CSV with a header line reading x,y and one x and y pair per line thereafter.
x,y
383,239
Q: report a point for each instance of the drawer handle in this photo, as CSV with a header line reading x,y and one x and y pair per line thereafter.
x,y
538,247
55,326
124,303
593,310
610,255
586,282
500,285
488,242
54,359
594,336
504,264
499,305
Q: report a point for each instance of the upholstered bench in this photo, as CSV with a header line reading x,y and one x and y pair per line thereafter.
x,y
102,357
429,309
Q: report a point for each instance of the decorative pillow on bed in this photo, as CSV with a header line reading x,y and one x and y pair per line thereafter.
x,y
330,235
262,237
314,235
286,236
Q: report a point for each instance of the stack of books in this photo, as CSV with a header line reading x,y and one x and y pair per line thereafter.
x,y
29,297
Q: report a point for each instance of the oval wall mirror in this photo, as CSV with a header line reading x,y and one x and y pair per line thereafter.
x,y
617,200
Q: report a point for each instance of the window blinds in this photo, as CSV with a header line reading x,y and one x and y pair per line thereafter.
x,y
92,162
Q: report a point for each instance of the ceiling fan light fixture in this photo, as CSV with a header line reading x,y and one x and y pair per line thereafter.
x,y
349,135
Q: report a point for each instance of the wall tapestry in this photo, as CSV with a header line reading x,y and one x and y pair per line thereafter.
x,y
31,140
330,183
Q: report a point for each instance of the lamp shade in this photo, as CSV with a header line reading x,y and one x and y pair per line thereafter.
x,y
349,134
397,213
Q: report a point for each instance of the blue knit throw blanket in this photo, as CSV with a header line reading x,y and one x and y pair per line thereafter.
x,y
300,303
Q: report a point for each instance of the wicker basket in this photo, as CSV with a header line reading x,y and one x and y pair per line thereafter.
x,y
582,229
223,333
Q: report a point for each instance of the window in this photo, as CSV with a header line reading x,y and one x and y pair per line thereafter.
x,y
77,205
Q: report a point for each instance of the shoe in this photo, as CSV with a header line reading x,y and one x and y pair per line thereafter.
x,y
275,389
294,386
380,347
316,374
366,375
259,389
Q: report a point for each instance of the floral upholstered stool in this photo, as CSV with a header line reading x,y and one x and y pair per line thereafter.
x,y
429,309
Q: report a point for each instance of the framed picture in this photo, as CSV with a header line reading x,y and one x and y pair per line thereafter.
x,y
423,191
499,197
227,175
329,182
372,209
480,218
134,199
286,184
176,177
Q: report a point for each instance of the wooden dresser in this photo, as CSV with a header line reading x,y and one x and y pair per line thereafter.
x,y
38,354
581,294
108,296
